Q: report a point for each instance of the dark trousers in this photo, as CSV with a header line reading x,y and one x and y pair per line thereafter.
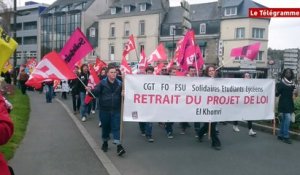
x,y
169,127
76,102
110,124
23,87
249,124
213,133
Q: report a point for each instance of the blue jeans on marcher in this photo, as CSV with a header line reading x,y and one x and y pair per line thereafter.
x,y
83,106
110,123
285,119
146,128
49,93
169,127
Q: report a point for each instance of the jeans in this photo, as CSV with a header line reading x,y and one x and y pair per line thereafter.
x,y
76,102
285,120
169,127
110,123
83,106
49,93
213,133
146,128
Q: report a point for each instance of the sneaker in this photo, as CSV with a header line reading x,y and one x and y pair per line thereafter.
x,y
104,147
287,140
279,138
93,112
252,133
143,134
83,119
150,139
182,132
235,128
170,135
120,150
100,124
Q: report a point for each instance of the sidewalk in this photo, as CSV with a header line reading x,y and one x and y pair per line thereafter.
x,y
53,144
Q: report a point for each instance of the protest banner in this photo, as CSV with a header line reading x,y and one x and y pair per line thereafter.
x,y
151,98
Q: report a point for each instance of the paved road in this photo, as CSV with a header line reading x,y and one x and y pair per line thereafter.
x,y
240,155
53,144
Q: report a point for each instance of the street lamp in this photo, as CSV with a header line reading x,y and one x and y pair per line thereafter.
x,y
15,37
173,43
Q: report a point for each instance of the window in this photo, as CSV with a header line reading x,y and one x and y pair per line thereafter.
x,y
202,28
111,52
113,11
112,30
60,32
260,56
92,32
126,29
30,25
172,30
30,40
258,33
239,58
75,21
141,47
127,8
240,33
143,7
230,11
142,28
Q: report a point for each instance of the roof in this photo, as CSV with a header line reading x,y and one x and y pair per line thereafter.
x,y
198,12
59,4
245,7
153,6
230,3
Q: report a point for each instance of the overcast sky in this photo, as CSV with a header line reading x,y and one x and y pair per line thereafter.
x,y
283,32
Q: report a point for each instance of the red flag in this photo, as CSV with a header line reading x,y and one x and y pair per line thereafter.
x,y
124,67
129,46
50,67
192,57
170,65
158,68
159,54
56,83
249,51
92,82
143,61
75,49
99,65
188,40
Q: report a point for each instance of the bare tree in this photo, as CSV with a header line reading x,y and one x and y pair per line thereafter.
x,y
6,13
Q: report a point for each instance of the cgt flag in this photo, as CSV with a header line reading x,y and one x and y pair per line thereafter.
x,y
129,46
75,49
249,51
159,54
7,47
50,67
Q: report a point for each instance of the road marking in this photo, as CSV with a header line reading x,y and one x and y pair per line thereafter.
x,y
109,166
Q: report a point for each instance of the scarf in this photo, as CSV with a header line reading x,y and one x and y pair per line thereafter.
x,y
287,82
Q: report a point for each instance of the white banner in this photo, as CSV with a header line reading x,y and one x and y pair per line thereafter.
x,y
151,98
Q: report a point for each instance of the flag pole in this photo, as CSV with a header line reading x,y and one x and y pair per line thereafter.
x,y
274,120
209,131
222,65
86,87
122,109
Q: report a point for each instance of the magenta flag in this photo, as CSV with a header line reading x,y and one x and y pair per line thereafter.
x,y
75,49
249,51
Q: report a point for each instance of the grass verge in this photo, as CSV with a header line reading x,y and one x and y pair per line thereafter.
x,y
20,117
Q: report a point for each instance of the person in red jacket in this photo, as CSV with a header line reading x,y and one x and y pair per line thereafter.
x,y
6,131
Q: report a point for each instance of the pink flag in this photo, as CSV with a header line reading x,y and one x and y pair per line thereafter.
x,y
192,57
92,82
129,46
182,45
50,67
159,54
169,66
143,61
124,67
249,51
158,68
75,49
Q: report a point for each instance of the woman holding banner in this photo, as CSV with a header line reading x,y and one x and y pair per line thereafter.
x,y
216,144
285,91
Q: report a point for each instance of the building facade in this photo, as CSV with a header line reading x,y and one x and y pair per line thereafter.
x,y
141,18
27,29
60,19
238,30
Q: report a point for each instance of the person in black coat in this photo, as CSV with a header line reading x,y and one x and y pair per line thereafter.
x,y
285,91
